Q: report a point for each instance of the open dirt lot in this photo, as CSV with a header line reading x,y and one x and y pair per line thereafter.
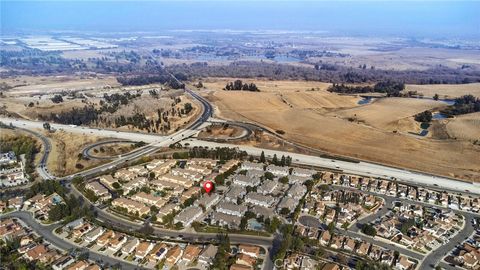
x,y
316,125
445,90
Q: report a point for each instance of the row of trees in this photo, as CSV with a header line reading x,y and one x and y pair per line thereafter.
x,y
283,161
391,88
239,85
166,79
463,105
332,74
220,153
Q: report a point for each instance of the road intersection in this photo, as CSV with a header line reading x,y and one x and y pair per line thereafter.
x,y
185,136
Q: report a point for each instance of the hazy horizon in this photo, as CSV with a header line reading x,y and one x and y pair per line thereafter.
x,y
429,19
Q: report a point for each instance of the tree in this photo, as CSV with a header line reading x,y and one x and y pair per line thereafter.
x,y
368,229
435,97
262,157
275,159
283,180
269,175
46,126
57,99
284,211
283,161
116,185
424,117
331,227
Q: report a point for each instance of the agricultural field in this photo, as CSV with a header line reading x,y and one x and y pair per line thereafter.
x,y
317,121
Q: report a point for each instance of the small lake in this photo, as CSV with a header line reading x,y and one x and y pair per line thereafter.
x,y
423,133
438,116
364,101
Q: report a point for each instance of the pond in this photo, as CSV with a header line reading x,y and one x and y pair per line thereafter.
x,y
364,100
438,115
423,133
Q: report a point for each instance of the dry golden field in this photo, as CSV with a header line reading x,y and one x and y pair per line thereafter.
x,y
445,90
464,127
389,114
110,150
29,85
65,150
317,121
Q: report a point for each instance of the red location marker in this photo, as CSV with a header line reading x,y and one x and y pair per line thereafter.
x,y
208,186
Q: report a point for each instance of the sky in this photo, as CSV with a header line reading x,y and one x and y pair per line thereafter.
x,y
410,18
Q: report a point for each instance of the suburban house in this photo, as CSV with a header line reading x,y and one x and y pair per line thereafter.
x,y
133,207
278,170
246,181
191,253
208,200
251,166
207,255
228,165
107,180
143,249
303,172
188,215
149,199
250,250
173,255
231,209
99,190
259,199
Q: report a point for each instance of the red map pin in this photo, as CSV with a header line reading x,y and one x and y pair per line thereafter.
x,y
208,186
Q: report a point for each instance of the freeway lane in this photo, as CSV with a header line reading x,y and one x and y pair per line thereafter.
x,y
132,136
47,233
360,168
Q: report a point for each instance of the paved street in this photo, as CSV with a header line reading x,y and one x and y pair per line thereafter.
x,y
47,233
437,255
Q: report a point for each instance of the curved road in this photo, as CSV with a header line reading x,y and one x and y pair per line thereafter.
x,y
42,166
86,150
47,233
361,168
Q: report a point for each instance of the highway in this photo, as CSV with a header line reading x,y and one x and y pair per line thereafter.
x,y
184,135
359,168
47,233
